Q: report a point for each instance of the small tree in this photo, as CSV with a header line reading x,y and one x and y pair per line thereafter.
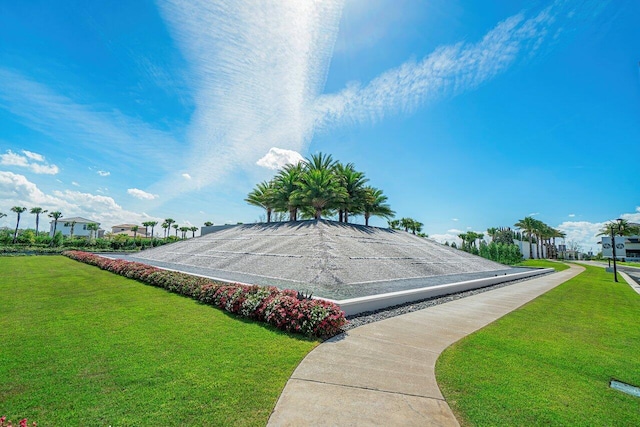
x,y
208,224
193,231
176,227
18,210
93,231
71,224
56,215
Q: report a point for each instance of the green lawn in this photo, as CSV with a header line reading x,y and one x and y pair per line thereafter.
x,y
550,362
82,346
630,264
543,263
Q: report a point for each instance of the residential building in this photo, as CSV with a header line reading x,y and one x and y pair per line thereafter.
x,y
126,229
78,224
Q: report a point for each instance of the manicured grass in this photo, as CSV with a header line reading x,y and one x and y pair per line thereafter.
x,y
550,362
631,264
543,263
82,346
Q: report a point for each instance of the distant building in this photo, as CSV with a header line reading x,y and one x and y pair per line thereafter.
x,y
627,247
78,224
126,229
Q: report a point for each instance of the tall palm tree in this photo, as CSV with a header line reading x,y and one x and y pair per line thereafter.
x,y
263,197
320,162
176,227
528,225
463,237
320,191
492,232
135,229
193,231
37,211
18,210
286,183
56,215
168,221
184,230
152,224
354,184
375,203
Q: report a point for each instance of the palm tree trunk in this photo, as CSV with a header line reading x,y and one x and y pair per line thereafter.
x,y
268,216
346,216
318,213
37,223
366,218
340,215
530,246
15,233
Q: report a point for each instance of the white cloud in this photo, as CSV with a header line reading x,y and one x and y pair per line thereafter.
x,y
103,173
454,231
186,176
534,214
140,194
571,215
454,219
277,158
38,166
17,190
34,156
75,184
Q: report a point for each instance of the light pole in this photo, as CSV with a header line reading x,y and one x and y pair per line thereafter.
x,y
613,247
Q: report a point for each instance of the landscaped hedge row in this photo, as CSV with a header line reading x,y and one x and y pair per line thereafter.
x,y
283,309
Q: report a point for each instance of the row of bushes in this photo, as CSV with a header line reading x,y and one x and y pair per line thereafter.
x,y
285,309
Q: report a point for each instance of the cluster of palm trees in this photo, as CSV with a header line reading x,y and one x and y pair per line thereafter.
x,y
545,236
319,187
37,211
407,224
170,223
470,240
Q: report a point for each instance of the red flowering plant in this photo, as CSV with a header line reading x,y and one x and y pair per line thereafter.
x,y
23,422
284,309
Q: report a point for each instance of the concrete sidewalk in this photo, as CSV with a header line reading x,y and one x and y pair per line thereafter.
x,y
382,374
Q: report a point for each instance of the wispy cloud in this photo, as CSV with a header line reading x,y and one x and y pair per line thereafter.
x,y
33,161
186,176
255,69
140,194
83,126
448,71
103,173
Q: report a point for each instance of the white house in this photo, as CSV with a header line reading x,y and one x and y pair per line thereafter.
x,y
126,229
78,224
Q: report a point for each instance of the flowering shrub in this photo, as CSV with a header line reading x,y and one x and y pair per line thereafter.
x,y
23,422
281,308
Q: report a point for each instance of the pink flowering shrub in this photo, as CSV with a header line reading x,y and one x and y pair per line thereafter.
x,y
281,308
23,422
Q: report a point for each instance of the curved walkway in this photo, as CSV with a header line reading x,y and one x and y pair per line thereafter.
x,y
383,373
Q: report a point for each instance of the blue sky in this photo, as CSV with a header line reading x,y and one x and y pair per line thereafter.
x,y
466,114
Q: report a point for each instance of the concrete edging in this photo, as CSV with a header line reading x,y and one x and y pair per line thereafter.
x,y
358,305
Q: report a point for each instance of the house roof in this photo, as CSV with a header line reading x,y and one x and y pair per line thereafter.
x,y
77,219
126,226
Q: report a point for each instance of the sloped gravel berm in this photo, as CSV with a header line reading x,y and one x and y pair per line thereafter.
x,y
382,373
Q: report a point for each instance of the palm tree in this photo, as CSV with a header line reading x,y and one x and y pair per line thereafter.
x,y
193,231
375,203
416,226
18,210
263,197
492,232
152,224
56,215
320,191
463,237
354,184
528,225
93,228
394,224
71,224
37,211
320,162
208,224
406,223
135,229
168,221
184,230
286,183
176,227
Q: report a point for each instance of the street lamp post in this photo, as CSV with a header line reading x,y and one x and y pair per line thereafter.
x,y
613,247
